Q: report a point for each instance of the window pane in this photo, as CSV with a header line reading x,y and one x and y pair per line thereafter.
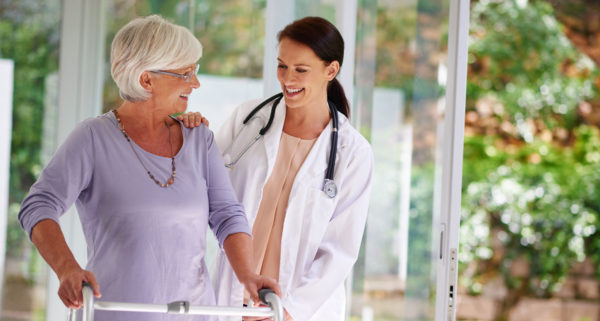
x,y
399,106
29,38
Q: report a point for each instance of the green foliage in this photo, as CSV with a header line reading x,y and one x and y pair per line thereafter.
x,y
29,37
539,201
528,199
519,54
421,26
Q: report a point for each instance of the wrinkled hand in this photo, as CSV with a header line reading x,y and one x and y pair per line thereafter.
x,y
193,119
71,283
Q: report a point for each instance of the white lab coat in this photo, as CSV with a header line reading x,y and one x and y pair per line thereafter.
x,y
321,236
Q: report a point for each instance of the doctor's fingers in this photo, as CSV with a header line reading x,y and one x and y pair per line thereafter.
x,y
193,119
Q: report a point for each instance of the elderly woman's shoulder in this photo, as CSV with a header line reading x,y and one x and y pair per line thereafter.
x,y
102,122
200,132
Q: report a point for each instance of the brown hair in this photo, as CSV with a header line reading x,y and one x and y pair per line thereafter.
x,y
327,43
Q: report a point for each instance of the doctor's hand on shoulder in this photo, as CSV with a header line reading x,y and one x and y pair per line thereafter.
x,y
193,119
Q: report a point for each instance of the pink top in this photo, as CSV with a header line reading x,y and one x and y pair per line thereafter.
x,y
271,212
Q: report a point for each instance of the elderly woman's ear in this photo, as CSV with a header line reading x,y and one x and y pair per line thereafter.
x,y
146,81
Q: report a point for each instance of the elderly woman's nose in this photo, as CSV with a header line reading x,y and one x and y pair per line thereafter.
x,y
195,82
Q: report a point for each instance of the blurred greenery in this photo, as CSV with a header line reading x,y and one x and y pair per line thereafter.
x,y
531,185
539,201
519,55
29,33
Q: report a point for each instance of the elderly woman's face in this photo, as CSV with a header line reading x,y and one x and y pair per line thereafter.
x,y
172,92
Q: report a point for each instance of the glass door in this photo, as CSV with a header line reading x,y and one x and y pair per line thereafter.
x,y
405,103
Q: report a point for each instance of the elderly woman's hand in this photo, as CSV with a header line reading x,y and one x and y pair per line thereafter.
x,y
193,119
255,282
71,284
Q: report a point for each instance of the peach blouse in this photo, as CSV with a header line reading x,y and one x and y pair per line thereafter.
x,y
268,225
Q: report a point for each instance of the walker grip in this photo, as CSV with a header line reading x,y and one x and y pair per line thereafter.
x,y
268,297
262,295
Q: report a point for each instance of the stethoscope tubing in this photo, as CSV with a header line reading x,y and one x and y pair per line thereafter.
x,y
329,186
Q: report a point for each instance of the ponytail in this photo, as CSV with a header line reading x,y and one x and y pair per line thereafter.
x,y
336,94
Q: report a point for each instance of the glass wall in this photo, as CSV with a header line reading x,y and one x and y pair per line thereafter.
x,y
399,106
30,38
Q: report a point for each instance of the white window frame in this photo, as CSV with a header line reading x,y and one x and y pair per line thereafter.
x,y
79,97
7,68
456,89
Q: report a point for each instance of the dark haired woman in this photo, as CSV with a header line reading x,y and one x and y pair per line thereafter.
x,y
305,238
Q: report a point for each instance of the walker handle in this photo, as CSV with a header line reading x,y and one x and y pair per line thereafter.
x,y
268,297
88,304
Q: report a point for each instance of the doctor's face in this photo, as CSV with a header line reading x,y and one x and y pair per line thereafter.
x,y
302,74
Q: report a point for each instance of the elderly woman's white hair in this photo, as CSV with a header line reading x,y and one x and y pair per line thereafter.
x,y
149,43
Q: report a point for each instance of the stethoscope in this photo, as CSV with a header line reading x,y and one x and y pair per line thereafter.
x,y
329,187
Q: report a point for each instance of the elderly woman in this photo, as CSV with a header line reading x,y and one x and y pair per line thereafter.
x,y
146,188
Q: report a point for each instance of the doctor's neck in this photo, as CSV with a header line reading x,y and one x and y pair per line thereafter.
x,y
306,122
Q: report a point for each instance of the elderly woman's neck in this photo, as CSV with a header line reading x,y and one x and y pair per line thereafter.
x,y
145,116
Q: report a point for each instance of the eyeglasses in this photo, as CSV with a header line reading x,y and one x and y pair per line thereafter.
x,y
187,76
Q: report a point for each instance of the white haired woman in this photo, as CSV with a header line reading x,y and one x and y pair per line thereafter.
x,y
146,188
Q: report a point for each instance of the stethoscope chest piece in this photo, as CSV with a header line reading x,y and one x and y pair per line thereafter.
x,y
330,188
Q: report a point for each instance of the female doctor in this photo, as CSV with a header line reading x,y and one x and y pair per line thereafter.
x,y
306,229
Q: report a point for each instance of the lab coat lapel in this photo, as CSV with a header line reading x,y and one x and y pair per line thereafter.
x,y
316,160
273,135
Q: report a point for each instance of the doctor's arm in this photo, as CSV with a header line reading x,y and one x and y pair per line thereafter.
x,y
340,245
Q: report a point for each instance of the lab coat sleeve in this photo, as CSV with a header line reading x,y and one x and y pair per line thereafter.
x,y
66,176
227,131
340,245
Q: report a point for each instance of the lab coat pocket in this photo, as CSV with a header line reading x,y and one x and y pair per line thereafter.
x,y
317,202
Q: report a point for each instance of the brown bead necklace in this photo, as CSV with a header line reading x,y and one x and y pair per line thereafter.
x,y
171,179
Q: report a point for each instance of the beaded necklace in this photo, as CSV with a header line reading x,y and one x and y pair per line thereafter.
x,y
171,179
